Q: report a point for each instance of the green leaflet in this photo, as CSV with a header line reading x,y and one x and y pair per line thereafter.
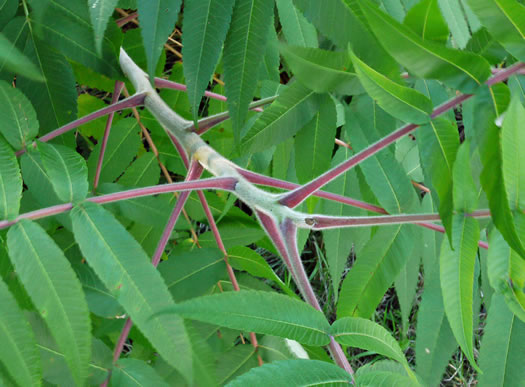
x,y
438,143
244,258
67,171
294,372
204,30
100,11
134,372
505,21
342,23
501,353
384,373
143,172
242,53
192,274
10,182
55,291
123,267
406,283
234,362
259,312
368,335
321,70
339,242
7,10
435,341
400,101
455,18
366,123
19,353
67,27
457,280
54,99
14,61
15,31
123,145
296,29
374,271
286,115
512,159
425,20
506,273
464,191
19,123
314,142
461,70
157,20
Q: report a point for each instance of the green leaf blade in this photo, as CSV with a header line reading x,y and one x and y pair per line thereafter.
x,y
19,352
296,29
19,122
302,372
453,14
55,291
287,114
123,267
259,312
461,70
100,11
205,25
67,171
246,38
10,182
15,61
457,280
157,20
401,102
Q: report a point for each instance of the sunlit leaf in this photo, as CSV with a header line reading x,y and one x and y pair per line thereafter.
x,y
15,61
296,29
100,11
453,14
425,20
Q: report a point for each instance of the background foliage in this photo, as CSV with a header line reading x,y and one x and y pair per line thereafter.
x,y
409,305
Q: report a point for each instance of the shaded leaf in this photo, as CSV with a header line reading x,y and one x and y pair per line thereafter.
x,y
425,20
453,14
399,101
10,182
322,70
374,271
193,273
246,39
289,373
384,373
504,20
461,70
67,171
19,353
134,372
19,123
457,280
100,11
157,20
123,267
236,361
55,291
260,312
14,61
203,33
143,172
501,353
296,29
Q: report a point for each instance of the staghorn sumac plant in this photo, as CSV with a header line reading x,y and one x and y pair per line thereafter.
x,y
389,133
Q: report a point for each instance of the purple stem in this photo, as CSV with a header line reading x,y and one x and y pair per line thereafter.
x,y
133,101
194,172
256,178
223,183
323,222
295,197
116,94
